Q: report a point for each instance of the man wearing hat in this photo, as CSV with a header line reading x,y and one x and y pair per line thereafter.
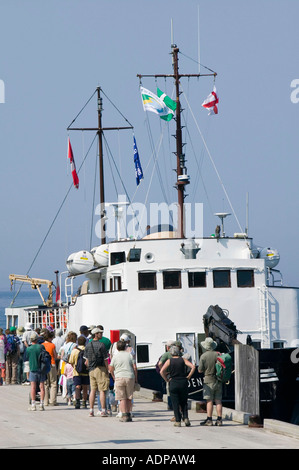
x,y
84,332
212,388
97,363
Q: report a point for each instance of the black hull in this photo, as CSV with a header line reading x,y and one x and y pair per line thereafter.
x,y
279,399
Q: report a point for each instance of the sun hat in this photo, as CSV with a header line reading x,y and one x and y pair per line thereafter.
x,y
96,330
125,337
33,336
209,344
170,342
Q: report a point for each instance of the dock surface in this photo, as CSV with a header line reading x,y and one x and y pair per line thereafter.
x,y
63,427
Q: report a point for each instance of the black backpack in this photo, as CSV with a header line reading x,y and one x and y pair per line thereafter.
x,y
80,366
44,361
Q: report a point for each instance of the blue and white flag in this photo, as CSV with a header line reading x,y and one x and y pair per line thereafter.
x,y
138,169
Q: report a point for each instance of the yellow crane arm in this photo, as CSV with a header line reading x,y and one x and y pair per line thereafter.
x,y
35,284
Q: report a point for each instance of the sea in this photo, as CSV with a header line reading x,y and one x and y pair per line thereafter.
x,y
26,297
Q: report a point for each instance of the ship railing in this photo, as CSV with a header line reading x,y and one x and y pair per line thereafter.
x,y
264,316
55,317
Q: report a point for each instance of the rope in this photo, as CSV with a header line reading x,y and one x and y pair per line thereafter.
x,y
51,225
213,163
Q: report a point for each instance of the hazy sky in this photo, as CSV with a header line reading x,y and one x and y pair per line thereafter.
x,y
53,56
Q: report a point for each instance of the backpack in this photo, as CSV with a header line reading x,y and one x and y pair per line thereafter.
x,y
99,358
44,361
223,367
80,366
11,344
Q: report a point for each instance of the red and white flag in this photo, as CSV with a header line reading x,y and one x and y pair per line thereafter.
x,y
211,102
73,166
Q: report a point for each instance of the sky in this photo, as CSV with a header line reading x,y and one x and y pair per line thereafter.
x,y
53,56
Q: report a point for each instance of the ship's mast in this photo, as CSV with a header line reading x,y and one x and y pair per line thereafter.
x,y
100,131
182,178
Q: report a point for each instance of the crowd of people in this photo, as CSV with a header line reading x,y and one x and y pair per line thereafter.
x,y
86,368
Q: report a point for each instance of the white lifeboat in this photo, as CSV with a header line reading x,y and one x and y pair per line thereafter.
x,y
80,262
101,255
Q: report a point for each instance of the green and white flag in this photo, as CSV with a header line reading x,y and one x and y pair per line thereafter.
x,y
169,103
163,105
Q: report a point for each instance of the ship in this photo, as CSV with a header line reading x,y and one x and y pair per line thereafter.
x,y
163,284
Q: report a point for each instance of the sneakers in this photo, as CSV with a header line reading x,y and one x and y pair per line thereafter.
x,y
103,414
177,424
187,422
207,422
218,422
91,414
126,418
41,407
32,408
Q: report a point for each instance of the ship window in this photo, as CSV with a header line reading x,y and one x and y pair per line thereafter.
x,y
278,344
245,278
147,281
197,279
134,254
221,278
142,353
117,257
171,279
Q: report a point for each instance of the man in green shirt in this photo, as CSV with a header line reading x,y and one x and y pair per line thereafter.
x,y
35,376
212,388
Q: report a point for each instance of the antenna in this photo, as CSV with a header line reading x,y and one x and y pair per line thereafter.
x,y
222,216
198,39
247,213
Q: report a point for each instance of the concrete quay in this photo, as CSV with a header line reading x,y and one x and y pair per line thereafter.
x,y
151,432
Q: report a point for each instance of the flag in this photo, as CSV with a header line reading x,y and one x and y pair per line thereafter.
x,y
211,102
169,103
138,169
57,288
153,103
73,166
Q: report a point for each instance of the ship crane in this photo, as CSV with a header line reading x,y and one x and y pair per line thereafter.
x,y
35,284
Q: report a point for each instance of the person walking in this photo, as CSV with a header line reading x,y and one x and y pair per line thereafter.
x,y
35,377
97,362
27,342
80,379
212,388
51,382
178,384
12,356
124,372
3,351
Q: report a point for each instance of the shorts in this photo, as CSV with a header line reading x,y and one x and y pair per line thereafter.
x,y
37,377
99,379
212,391
81,380
124,388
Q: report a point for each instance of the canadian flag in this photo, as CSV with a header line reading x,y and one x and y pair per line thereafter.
x,y
211,102
73,166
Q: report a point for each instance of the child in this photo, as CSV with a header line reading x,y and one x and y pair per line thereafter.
x,y
70,388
